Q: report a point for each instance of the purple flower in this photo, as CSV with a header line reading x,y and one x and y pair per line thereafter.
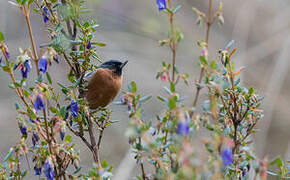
x,y
35,138
161,4
42,65
37,171
1,60
38,104
48,170
227,156
25,69
89,45
62,135
23,130
45,14
182,128
74,109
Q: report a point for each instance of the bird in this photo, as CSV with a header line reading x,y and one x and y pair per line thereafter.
x,y
103,84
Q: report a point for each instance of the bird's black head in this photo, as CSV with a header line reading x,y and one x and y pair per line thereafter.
x,y
114,65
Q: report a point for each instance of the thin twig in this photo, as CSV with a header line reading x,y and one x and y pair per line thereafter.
x,y
93,142
208,23
27,18
80,136
172,41
141,164
18,92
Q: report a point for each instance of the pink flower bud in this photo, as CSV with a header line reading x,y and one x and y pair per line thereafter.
x,y
204,52
163,78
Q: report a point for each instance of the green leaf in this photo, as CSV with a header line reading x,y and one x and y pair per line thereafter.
x,y
17,106
40,79
210,127
12,86
203,60
278,161
172,87
272,173
161,99
133,87
63,112
99,44
105,164
169,10
251,91
1,36
163,63
172,103
68,139
209,148
77,170
30,1
53,110
26,93
17,84
6,68
48,78
167,90
244,164
145,98
213,65
177,8
24,1
229,45
9,154
237,81
36,10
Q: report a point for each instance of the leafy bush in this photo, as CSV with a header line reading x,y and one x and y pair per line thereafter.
x,y
165,148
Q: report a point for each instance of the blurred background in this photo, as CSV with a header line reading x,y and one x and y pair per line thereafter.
x,y
131,30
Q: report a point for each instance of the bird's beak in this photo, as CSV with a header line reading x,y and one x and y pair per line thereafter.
x,y
124,63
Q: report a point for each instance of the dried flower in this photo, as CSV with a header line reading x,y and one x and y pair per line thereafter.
x,y
51,55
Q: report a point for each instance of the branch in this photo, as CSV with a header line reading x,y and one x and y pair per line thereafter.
x,y
208,23
172,41
27,18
